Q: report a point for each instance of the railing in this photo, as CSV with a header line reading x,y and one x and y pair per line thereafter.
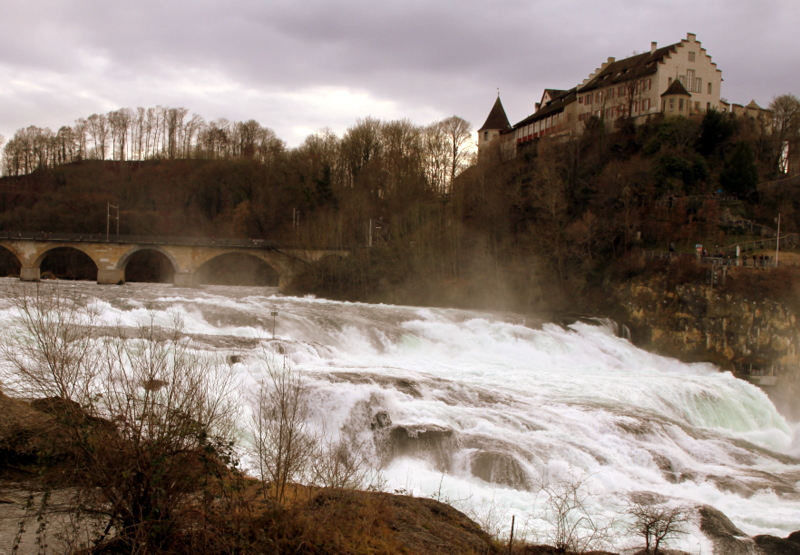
x,y
666,255
713,260
792,180
139,239
753,227
785,240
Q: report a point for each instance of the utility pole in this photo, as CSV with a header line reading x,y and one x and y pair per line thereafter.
x,y
108,219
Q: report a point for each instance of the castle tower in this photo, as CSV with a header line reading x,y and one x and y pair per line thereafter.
x,y
675,100
495,125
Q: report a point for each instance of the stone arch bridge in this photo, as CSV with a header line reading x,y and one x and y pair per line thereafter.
x,y
187,255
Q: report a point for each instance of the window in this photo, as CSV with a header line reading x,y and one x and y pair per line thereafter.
x,y
697,107
621,90
635,106
672,104
588,99
485,135
690,80
698,85
680,104
691,56
708,106
709,88
611,93
580,100
645,104
648,84
599,96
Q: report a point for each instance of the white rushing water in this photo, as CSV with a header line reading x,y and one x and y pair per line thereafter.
x,y
483,407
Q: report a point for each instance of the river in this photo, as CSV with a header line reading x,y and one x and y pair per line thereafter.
x,y
478,408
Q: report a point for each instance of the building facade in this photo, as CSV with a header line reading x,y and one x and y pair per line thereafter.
x,y
679,79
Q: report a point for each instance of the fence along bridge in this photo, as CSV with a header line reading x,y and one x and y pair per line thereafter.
x,y
186,255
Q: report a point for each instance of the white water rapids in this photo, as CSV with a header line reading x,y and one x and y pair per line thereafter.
x,y
482,406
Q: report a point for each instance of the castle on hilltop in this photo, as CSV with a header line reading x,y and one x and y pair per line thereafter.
x,y
675,80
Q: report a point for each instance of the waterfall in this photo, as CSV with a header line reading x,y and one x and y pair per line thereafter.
x,y
479,408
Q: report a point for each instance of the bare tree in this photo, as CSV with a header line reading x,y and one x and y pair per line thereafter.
x,y
343,463
119,122
283,444
657,522
80,129
458,133
98,130
574,526
785,116
785,128
50,350
436,156
143,417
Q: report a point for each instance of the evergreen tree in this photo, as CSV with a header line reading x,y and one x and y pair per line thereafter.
x,y
740,175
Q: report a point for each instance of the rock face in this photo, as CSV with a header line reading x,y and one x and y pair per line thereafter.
x,y
726,536
751,329
770,545
697,322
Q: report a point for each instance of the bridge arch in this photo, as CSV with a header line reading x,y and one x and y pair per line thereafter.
x,y
67,262
148,264
123,260
49,248
10,261
238,268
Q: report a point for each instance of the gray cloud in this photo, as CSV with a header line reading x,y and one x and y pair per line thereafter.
x,y
300,66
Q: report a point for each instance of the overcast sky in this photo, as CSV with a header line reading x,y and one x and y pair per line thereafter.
x,y
303,65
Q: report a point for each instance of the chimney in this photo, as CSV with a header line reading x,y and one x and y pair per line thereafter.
x,y
691,37
537,106
611,59
653,46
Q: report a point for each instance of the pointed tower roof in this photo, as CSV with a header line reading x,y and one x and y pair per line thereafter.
x,y
497,118
676,88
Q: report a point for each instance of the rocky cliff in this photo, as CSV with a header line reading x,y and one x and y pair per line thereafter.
x,y
748,324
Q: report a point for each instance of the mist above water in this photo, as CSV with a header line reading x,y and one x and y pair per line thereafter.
x,y
479,408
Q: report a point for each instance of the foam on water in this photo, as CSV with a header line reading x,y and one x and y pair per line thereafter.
x,y
511,403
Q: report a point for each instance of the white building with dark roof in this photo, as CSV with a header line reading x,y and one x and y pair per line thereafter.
x,y
636,87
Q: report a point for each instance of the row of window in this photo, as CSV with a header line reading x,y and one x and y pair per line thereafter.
x,y
540,126
621,91
692,83
621,110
